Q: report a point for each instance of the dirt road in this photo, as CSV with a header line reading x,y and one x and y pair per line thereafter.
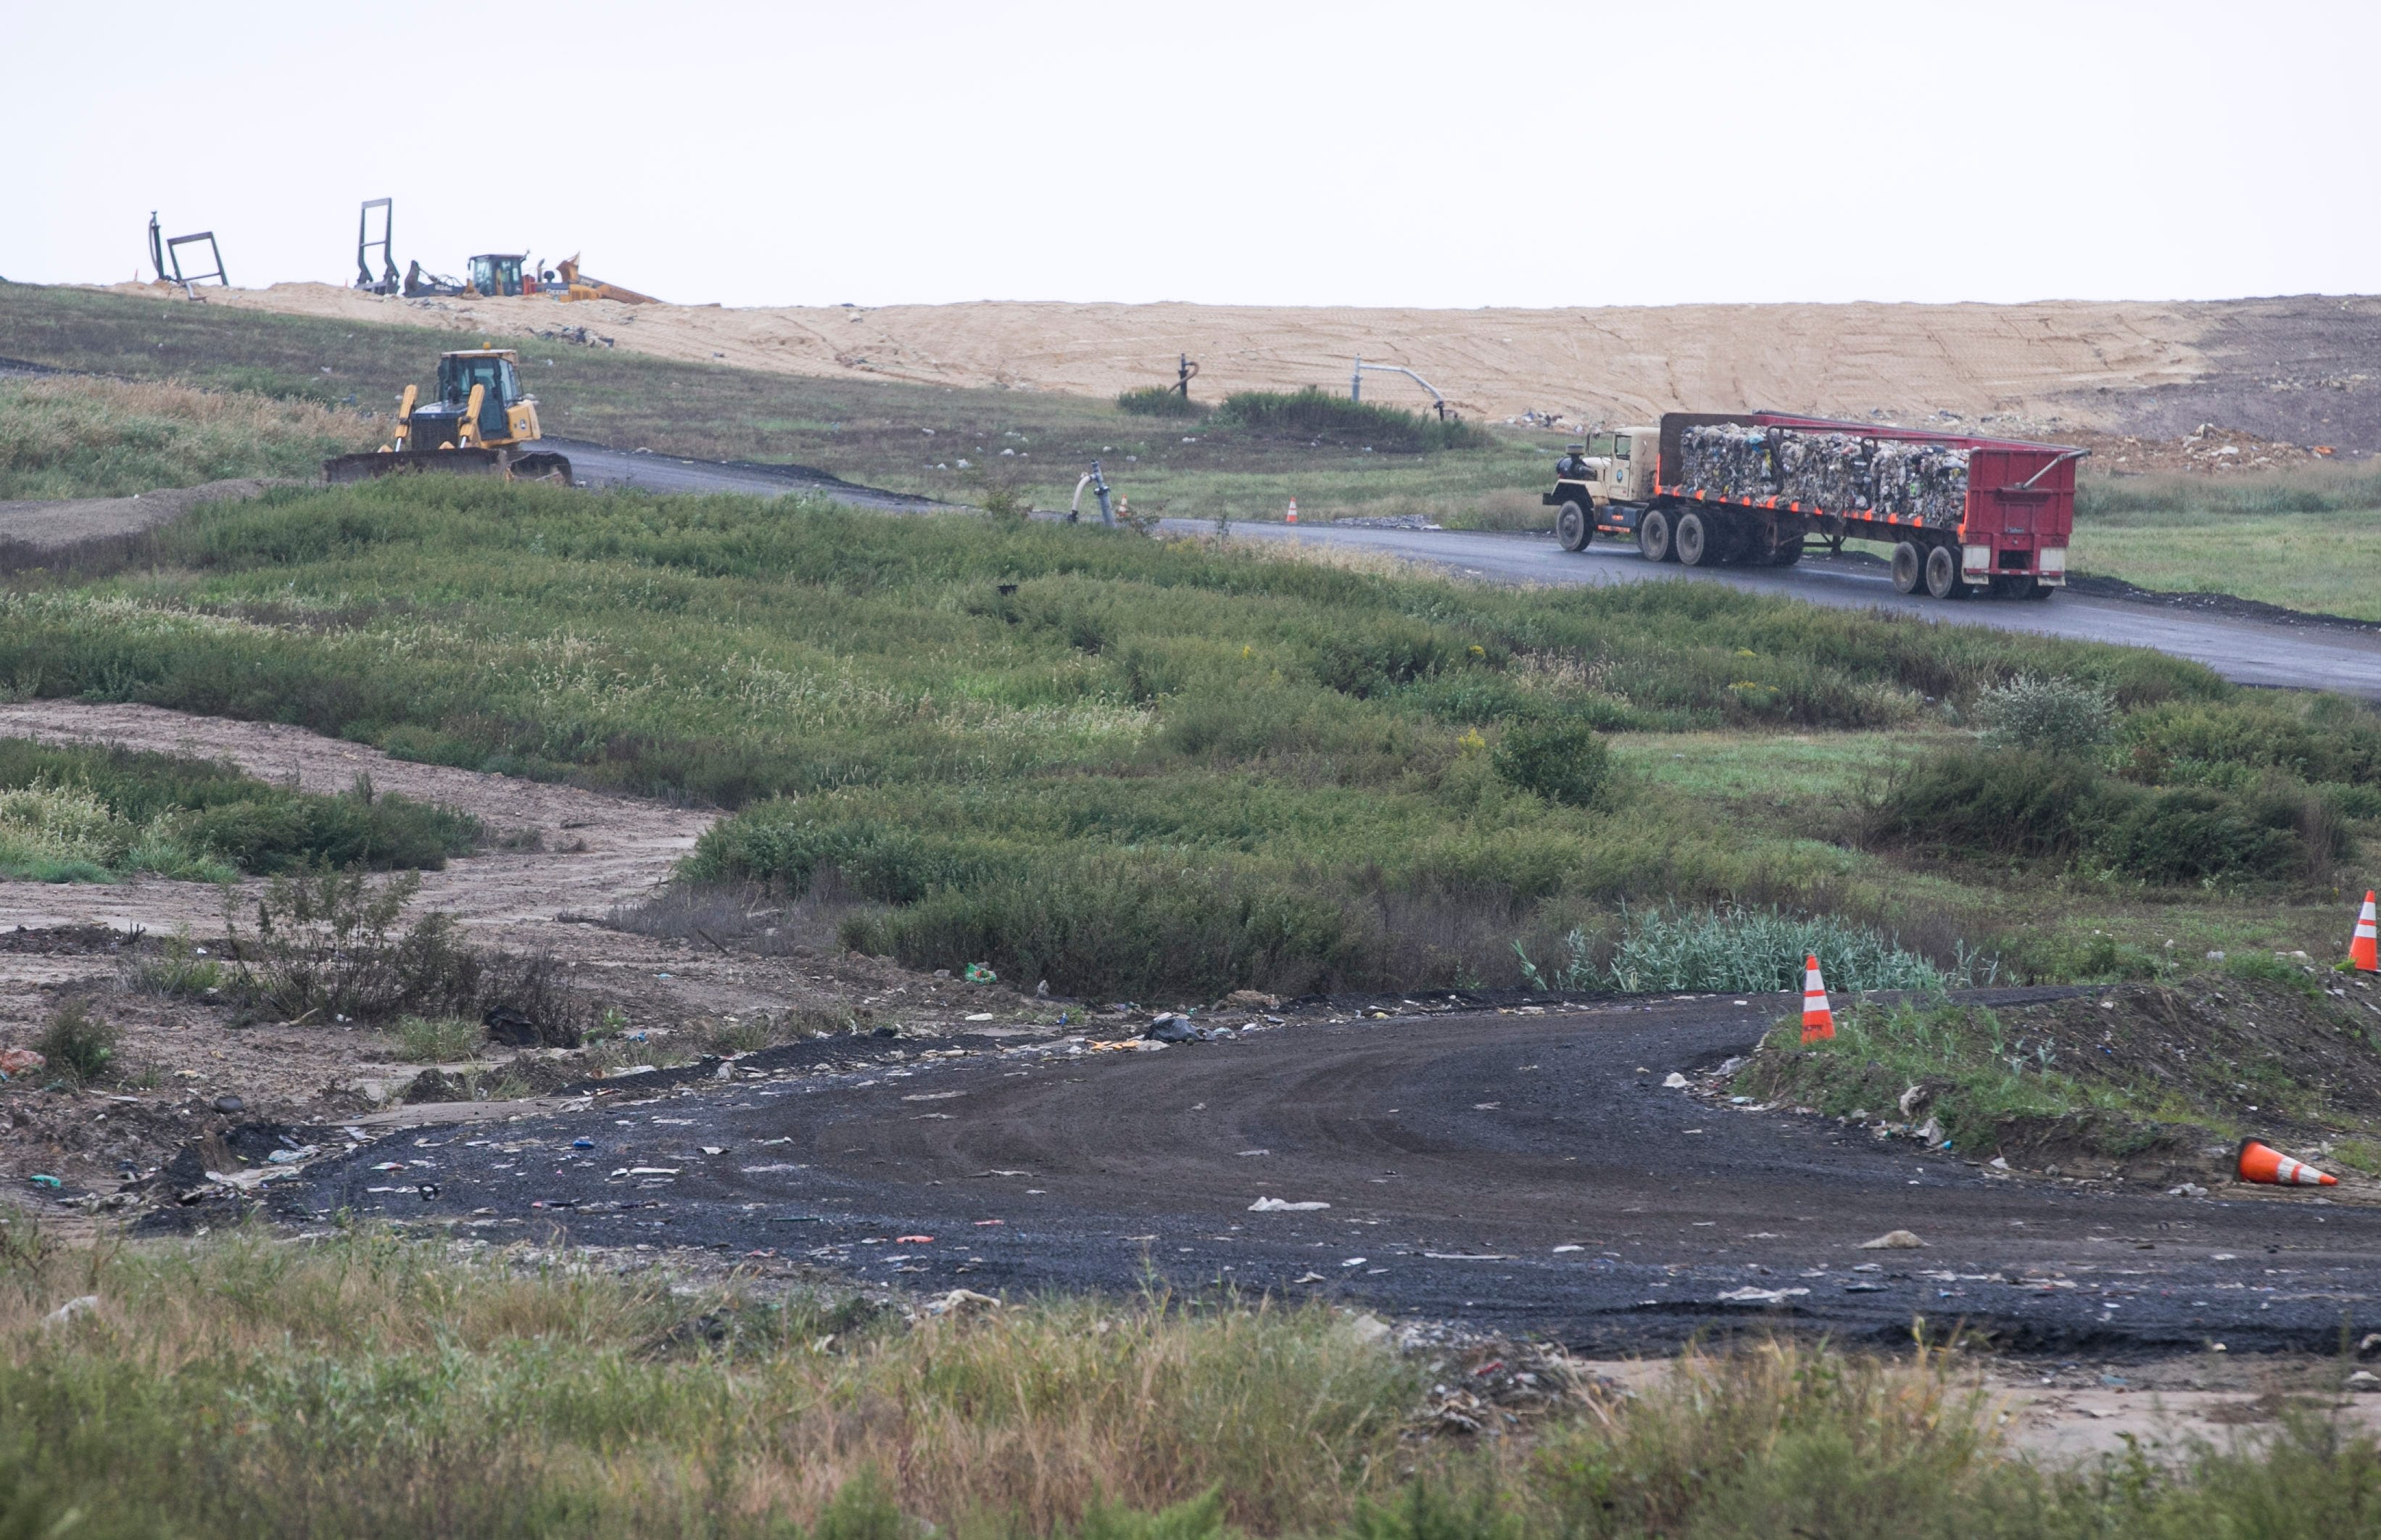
x,y
1508,1171
2297,657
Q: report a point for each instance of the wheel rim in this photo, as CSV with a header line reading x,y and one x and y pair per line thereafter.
x,y
1570,527
1654,536
1692,540
1942,573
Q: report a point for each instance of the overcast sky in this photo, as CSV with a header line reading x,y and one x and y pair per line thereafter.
x,y
1373,153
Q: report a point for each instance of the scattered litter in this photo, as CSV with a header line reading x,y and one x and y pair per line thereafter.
x,y
1170,1028
291,1157
43,1179
1750,1295
1893,1241
1310,1278
934,1095
1468,1256
582,1143
961,1301
16,1061
1559,1250
1245,1153
1283,1206
229,1104
2188,1189
978,973
82,1303
913,1241
981,1016
1675,1081
653,1172
1355,1262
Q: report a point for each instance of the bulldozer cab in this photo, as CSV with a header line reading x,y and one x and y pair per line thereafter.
x,y
495,371
496,273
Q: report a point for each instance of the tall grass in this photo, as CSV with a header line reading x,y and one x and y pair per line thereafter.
x,y
1321,417
2131,499
75,438
74,812
1123,765
362,1386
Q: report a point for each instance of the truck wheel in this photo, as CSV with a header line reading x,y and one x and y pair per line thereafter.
x,y
1693,538
1908,565
1571,527
1943,581
1786,553
1653,535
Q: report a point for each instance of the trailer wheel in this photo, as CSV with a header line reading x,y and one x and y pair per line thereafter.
x,y
1571,527
1786,553
1693,540
1908,567
1943,579
1654,536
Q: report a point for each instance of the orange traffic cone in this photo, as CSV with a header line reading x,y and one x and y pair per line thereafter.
x,y
2261,1162
1291,517
2362,950
1818,1017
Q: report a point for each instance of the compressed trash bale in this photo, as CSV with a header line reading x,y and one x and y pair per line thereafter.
x,y
1837,471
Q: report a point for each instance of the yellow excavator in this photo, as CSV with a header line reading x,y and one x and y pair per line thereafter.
x,y
479,425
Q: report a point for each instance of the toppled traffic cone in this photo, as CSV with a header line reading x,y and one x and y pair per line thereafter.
x,y
1291,517
1818,1017
2261,1163
2363,951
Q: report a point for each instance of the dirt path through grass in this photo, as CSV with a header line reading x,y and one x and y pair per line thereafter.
x,y
597,849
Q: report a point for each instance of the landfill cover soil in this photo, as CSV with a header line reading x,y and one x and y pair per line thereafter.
x,y
2303,370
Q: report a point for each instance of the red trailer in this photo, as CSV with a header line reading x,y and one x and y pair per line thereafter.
x,y
1962,513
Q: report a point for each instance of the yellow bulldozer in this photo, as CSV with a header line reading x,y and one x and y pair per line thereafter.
x,y
479,425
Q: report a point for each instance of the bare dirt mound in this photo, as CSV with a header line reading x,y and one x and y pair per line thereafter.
x,y
2304,370
51,526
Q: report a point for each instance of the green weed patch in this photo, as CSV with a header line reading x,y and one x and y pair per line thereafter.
x,y
88,814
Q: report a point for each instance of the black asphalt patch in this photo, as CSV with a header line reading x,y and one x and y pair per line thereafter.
x,y
1510,1171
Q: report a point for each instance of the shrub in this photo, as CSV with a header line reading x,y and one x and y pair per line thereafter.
x,y
2048,713
1745,950
1158,401
1319,416
2038,806
439,1039
1561,760
76,1043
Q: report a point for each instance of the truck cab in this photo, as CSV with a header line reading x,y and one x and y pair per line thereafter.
x,y
1602,484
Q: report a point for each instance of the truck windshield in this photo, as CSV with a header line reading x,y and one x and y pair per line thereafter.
x,y
1600,444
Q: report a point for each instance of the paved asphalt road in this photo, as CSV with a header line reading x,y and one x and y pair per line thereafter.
x,y
1510,1171
2245,652
594,465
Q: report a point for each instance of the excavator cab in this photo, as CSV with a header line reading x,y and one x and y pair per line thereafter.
x,y
497,273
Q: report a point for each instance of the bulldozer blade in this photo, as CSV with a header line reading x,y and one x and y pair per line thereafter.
x,y
412,462
542,465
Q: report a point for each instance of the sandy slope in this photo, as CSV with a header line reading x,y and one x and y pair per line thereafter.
x,y
2039,361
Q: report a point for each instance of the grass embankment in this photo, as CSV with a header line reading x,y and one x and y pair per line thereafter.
x,y
906,437
91,815
1133,766
361,1386
2305,540
74,437
2165,1075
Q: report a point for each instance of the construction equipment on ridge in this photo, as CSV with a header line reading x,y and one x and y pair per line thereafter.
x,y
166,253
1818,1017
2364,948
2260,1162
476,426
388,282
576,285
